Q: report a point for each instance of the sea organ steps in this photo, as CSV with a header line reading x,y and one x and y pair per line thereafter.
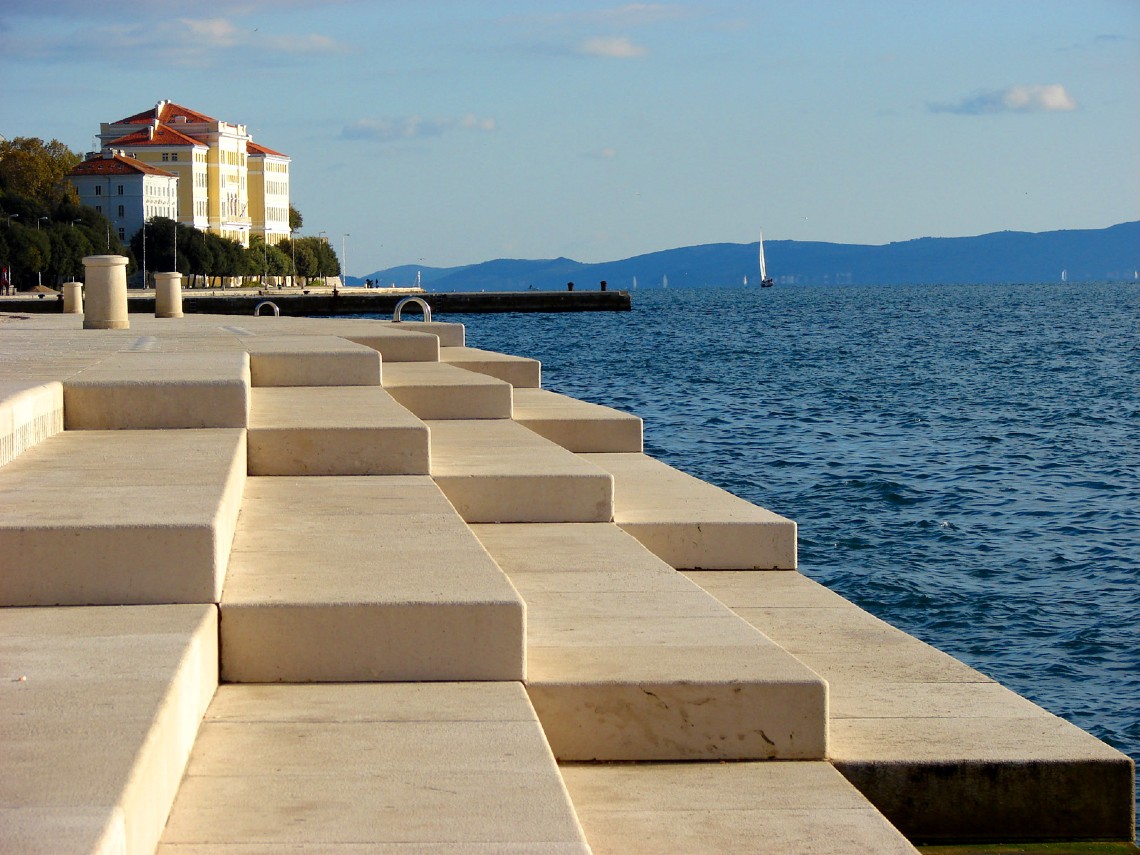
x,y
619,824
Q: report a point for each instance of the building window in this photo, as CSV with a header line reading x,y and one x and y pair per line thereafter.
x,y
99,208
166,155
120,189
98,190
122,234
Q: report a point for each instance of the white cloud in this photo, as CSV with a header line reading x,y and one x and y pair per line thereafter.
x,y
616,47
406,128
1049,98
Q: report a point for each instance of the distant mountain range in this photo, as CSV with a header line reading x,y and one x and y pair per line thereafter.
x,y
1082,255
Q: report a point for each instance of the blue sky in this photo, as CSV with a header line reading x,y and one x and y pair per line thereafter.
x,y
445,133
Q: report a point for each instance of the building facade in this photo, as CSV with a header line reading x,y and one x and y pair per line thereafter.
x,y
228,184
126,190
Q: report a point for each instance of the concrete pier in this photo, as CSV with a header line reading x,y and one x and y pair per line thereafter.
x,y
310,585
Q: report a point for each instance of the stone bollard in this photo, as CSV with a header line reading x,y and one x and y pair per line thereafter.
x,y
73,298
106,286
168,295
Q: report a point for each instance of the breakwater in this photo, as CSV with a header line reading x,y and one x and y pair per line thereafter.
x,y
356,301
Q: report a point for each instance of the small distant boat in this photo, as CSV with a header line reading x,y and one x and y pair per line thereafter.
x,y
634,283
1065,275
665,281
765,279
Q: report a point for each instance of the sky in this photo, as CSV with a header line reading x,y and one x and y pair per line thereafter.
x,y
449,132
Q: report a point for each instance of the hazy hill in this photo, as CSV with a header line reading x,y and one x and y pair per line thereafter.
x,y
1086,254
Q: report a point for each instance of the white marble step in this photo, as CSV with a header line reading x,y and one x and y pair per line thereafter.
x,y
629,660
364,578
120,517
428,768
99,709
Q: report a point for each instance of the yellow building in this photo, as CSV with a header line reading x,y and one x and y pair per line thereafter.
x,y
228,184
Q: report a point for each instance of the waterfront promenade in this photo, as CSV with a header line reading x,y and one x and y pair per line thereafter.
x,y
316,585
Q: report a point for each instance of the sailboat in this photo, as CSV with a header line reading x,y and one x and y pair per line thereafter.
x,y
765,279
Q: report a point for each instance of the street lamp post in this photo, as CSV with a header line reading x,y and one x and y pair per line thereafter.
x,y
39,273
321,257
344,259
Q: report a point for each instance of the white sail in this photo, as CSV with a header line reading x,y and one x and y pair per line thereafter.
x,y
763,265
665,281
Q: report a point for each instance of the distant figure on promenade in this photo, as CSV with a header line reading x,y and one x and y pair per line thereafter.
x,y
569,286
603,284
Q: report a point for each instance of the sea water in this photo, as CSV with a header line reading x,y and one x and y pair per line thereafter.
x,y
962,461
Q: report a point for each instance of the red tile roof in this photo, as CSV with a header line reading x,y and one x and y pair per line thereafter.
x,y
164,111
163,136
118,164
254,148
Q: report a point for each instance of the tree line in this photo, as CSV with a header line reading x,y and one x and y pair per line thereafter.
x,y
45,233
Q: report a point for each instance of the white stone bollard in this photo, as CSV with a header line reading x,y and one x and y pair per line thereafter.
x,y
168,295
73,298
106,287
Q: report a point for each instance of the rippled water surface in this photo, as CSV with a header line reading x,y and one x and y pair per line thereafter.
x,y
963,461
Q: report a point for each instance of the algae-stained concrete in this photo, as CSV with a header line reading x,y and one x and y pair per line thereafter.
x,y
99,709
428,768
364,579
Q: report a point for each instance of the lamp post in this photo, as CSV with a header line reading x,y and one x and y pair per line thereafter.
x,y
10,216
39,273
321,257
344,259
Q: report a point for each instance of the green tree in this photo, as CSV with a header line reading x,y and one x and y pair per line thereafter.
x,y
295,220
32,168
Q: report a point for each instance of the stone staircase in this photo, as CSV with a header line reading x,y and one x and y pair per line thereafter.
x,y
431,591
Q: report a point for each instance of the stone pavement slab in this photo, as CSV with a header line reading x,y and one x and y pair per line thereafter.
x,y
577,425
120,517
436,390
691,524
334,430
943,751
520,371
366,578
769,808
498,471
439,767
99,708
154,390
656,670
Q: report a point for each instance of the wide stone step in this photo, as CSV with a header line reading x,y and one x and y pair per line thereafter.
x,y
311,361
691,524
498,471
941,749
120,517
758,808
368,578
520,371
30,412
99,708
435,390
159,390
577,425
329,430
428,768
628,660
